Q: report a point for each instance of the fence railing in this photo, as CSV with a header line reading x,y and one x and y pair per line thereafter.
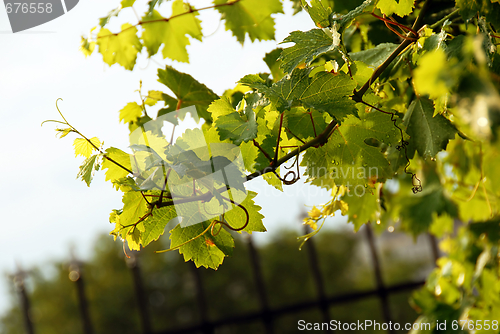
x,y
266,314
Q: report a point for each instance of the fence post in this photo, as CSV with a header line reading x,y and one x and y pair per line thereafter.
x,y
318,279
140,294
206,326
25,302
261,290
76,275
434,247
381,290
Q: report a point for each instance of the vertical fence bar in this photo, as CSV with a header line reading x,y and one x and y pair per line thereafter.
x,y
318,279
434,248
381,290
25,302
140,294
76,275
201,299
261,289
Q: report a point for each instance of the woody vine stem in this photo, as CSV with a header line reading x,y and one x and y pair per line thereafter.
x,y
410,36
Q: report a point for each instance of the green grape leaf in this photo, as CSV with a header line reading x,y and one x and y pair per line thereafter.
x,y
252,17
125,184
319,11
133,237
361,73
308,46
114,218
255,159
154,226
237,217
297,6
189,23
84,148
255,81
115,172
104,20
475,209
269,146
127,3
188,91
489,227
347,158
134,208
363,207
130,113
87,46
249,153
441,225
306,125
342,22
156,95
428,134
121,48
64,132
154,3
171,32
400,8
87,169
471,8
435,74
207,250
374,57
325,91
419,210
231,124
273,180
274,63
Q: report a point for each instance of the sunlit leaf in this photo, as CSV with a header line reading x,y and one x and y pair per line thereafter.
x,y
171,33
87,169
428,134
85,148
308,46
122,48
401,7
252,17
207,250
130,113
112,158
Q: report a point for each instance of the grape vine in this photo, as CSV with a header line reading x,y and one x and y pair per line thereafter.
x,y
390,105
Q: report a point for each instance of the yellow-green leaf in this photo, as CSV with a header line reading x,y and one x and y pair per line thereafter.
x,y
134,208
434,75
114,171
155,225
86,172
119,48
252,17
401,7
84,148
130,113
127,3
171,33
206,250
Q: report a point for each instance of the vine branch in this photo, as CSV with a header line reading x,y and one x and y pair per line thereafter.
x,y
166,19
319,140
358,94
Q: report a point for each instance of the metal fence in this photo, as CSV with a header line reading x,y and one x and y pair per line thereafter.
x,y
266,314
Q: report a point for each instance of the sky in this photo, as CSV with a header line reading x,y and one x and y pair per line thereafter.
x,y
44,208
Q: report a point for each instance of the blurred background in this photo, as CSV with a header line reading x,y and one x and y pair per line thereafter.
x,y
264,288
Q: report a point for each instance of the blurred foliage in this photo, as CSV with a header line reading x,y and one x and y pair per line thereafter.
x,y
230,291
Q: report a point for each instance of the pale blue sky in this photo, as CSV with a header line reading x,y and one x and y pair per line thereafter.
x,y
44,208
